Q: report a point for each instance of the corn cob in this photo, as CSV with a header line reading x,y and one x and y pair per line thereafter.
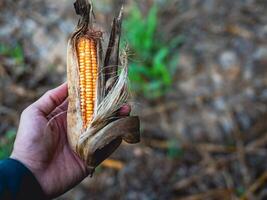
x,y
96,91
88,70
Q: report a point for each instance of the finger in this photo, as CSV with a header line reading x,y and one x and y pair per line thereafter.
x,y
51,99
125,110
58,122
58,110
64,105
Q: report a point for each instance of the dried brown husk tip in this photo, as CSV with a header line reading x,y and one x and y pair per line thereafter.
x,y
94,129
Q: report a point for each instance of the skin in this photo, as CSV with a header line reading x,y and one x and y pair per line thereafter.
x,y
42,146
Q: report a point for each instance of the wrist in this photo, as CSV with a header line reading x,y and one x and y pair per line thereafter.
x,y
17,170
33,168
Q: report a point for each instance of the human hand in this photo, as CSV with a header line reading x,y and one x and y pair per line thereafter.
x,y
41,143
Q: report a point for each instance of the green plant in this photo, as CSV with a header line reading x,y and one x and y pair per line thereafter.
x,y
151,72
174,150
6,143
15,52
240,191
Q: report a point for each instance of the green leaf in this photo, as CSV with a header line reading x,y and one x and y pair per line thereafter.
x,y
3,49
6,143
159,68
151,25
174,149
11,134
240,191
15,52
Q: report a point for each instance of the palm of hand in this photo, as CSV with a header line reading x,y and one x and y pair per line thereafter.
x,y
41,145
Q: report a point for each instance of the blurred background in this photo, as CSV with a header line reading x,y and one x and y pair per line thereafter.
x,y
198,77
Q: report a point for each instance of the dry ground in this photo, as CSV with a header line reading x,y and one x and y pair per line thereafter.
x,y
205,139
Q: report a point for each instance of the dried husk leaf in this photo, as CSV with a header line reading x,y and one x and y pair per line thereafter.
x,y
106,130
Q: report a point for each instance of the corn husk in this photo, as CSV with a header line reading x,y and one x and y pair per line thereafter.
x,y
106,130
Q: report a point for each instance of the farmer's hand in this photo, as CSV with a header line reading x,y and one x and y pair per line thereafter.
x,y
41,143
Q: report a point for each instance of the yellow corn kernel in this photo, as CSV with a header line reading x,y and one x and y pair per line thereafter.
x,y
88,72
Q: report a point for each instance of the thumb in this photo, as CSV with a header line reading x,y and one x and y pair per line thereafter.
x,y
51,99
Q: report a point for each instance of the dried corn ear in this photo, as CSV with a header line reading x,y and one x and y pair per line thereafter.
x,y
96,91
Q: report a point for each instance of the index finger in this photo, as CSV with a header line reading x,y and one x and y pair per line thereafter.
x,y
52,99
